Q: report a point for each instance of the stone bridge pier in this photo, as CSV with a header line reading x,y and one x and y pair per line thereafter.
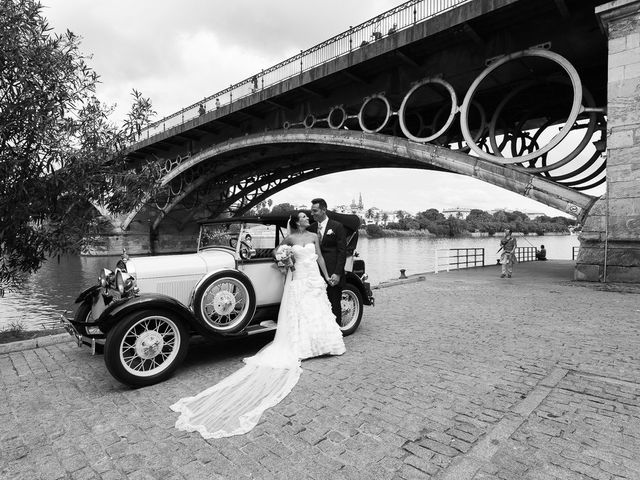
x,y
610,240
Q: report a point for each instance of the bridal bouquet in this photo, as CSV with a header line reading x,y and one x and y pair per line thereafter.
x,y
285,259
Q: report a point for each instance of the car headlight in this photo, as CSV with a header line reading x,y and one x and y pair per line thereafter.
x,y
106,278
124,282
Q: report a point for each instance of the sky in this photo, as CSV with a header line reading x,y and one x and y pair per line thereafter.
x,y
179,52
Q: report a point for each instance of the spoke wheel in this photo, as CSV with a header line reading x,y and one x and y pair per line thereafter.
x,y
145,347
352,308
225,302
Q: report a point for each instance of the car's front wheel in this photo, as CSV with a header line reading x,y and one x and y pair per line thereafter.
x,y
352,308
145,347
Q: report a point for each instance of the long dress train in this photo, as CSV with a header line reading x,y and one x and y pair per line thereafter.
x,y
306,328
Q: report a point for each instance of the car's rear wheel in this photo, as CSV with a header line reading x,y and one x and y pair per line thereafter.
x,y
352,308
145,347
225,302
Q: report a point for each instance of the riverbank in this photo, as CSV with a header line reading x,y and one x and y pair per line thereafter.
x,y
362,233
388,233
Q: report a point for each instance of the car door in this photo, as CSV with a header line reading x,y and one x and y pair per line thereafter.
x,y
261,268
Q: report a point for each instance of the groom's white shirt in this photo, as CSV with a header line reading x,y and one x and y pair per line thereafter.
x,y
322,226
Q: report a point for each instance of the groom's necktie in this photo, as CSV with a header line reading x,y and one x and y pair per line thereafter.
x,y
320,232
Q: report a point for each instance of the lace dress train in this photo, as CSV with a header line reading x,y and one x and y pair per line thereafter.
x,y
306,328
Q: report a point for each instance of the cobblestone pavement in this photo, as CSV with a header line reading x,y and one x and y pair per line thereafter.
x,y
463,375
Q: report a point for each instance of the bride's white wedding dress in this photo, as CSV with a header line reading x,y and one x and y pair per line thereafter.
x,y
306,328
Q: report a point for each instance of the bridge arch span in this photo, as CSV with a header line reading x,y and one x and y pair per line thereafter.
x,y
293,156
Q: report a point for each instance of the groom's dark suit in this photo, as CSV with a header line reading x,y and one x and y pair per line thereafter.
x,y
333,247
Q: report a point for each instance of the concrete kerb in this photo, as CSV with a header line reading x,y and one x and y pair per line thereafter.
x,y
35,343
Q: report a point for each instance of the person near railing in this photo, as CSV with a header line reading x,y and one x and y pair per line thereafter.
x,y
217,103
508,246
541,254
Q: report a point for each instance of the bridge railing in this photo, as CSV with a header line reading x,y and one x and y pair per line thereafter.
x,y
398,18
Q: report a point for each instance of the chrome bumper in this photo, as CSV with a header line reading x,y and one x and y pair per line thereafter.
x,y
80,339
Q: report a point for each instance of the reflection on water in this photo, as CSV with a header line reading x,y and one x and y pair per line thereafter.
x,y
51,291
55,287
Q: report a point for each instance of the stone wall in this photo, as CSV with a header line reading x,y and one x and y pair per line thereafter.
x,y
610,240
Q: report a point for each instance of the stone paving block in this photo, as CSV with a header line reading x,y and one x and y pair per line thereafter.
x,y
85,473
409,472
113,475
421,464
418,450
437,447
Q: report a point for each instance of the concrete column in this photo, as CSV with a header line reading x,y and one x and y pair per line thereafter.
x,y
610,242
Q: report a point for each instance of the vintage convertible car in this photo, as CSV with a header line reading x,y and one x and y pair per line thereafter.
x,y
141,314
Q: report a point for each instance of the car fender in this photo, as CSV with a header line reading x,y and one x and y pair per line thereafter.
x,y
357,282
118,309
89,292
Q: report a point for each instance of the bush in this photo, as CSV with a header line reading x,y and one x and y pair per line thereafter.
x,y
374,231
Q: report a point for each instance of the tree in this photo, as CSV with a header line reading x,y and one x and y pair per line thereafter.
x,y
400,214
374,231
262,208
138,117
283,208
59,154
432,215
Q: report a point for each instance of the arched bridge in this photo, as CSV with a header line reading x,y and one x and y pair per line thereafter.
x,y
512,92
244,171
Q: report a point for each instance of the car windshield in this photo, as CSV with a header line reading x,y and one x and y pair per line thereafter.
x,y
256,237
218,235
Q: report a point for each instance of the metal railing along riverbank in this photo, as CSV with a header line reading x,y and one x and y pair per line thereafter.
x,y
387,23
455,258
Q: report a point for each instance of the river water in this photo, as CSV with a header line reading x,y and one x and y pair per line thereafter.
x,y
53,289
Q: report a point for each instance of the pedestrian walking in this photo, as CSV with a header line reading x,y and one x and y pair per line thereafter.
x,y
508,246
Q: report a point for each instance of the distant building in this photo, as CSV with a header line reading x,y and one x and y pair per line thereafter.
x,y
369,216
531,215
353,208
456,212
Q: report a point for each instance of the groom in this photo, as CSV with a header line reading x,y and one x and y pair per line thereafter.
x,y
333,246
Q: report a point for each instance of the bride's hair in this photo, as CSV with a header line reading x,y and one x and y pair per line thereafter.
x,y
293,221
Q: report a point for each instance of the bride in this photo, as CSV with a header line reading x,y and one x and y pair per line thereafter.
x,y
306,328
